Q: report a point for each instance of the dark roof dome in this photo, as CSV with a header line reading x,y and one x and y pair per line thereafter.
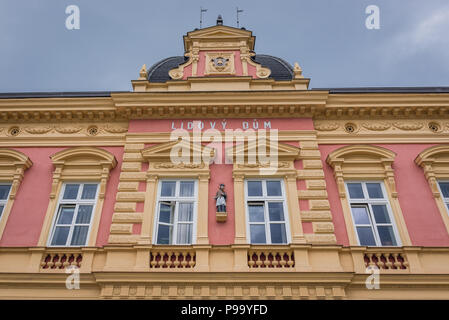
x,y
280,69
159,71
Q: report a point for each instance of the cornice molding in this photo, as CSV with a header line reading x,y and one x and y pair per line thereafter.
x,y
262,98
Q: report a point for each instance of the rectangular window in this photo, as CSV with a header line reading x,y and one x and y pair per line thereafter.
x,y
444,190
266,212
4,195
176,212
74,214
371,212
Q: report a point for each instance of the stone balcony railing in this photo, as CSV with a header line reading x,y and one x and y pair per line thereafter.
x,y
385,260
172,258
61,260
271,258
229,258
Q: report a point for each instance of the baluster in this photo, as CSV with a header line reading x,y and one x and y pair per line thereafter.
x,y
259,259
266,262
291,260
283,262
176,263
371,262
50,263
251,262
275,261
65,261
73,258
184,259
153,261
169,261
389,264
44,261
404,261
161,262
397,264
192,261
380,263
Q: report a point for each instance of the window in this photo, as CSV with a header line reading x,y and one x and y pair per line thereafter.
x,y
266,211
4,195
176,212
371,214
444,189
74,214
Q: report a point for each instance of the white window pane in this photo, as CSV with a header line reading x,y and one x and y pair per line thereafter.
x,y
274,188
71,191
164,234
66,214
444,186
166,212
60,236
278,234
79,235
184,233
276,211
355,190
257,232
168,188
89,191
256,212
386,235
84,214
374,190
1,209
4,191
186,189
185,211
360,215
380,213
254,188
366,236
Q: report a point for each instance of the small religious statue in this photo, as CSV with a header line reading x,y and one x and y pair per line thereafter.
x,y
220,197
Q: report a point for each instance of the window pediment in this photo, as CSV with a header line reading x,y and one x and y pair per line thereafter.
x,y
12,168
362,162
82,163
435,163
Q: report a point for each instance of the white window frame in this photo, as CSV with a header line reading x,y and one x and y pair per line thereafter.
x,y
177,200
77,202
445,200
264,198
4,202
368,202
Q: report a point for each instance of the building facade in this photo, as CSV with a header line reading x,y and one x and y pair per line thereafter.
x,y
328,193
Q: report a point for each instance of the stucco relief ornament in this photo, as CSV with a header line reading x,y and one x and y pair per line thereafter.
x,y
220,63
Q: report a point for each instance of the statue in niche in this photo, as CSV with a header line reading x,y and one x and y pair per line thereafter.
x,y
220,198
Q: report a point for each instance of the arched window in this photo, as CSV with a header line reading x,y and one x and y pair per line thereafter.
x,y
12,168
435,163
367,189
76,198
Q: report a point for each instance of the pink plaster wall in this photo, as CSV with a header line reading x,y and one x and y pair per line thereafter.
x,y
187,72
421,214
27,215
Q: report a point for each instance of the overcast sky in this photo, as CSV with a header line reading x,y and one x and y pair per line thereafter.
x,y
327,37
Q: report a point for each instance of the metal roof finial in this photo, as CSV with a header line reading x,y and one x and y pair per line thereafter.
x,y
219,20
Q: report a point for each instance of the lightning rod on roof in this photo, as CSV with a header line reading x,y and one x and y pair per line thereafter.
x,y
201,16
238,11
